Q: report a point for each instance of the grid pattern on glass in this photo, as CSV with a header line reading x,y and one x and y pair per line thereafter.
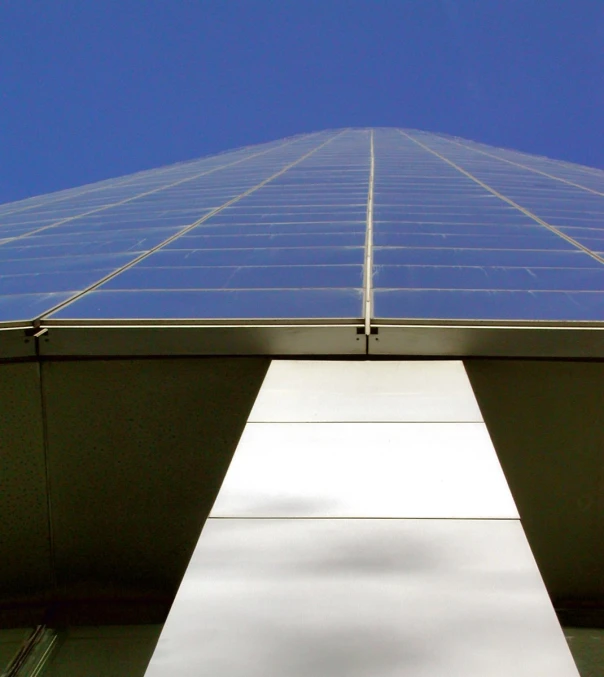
x,y
447,247
588,178
79,251
30,215
134,184
563,201
293,248
461,231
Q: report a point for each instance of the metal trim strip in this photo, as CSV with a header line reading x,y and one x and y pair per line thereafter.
x,y
488,341
14,343
191,340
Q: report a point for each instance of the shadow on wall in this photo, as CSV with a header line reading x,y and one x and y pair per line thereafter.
x,y
359,597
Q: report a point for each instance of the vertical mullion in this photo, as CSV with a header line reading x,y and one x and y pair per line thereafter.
x,y
369,240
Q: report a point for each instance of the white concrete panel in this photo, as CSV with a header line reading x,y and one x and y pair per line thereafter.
x,y
362,598
447,470
309,390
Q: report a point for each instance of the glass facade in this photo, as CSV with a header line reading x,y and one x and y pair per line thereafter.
x,y
459,231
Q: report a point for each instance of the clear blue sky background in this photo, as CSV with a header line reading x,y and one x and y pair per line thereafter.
x,y
98,88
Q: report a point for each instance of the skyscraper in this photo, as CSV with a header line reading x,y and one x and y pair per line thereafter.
x,y
139,317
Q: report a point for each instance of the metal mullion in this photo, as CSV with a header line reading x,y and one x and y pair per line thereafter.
x,y
369,239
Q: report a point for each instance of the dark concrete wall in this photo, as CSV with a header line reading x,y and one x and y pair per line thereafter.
x,y
546,419
110,468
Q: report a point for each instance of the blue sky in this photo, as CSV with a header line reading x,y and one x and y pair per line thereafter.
x,y
100,88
